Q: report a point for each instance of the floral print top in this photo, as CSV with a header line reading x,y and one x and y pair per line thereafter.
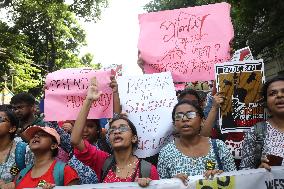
x,y
172,161
5,167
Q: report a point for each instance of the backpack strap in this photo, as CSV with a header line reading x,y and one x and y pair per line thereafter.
x,y
58,173
145,169
22,174
260,130
20,154
216,152
107,166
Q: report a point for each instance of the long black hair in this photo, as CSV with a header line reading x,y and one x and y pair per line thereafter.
x,y
267,84
7,109
112,165
131,125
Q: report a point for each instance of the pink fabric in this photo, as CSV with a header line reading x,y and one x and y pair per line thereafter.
x,y
92,157
62,155
112,177
95,159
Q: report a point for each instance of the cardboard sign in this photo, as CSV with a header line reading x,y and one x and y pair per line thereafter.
x,y
187,42
148,101
66,90
241,83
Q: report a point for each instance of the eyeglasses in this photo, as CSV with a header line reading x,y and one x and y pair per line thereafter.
x,y
189,115
3,119
122,128
19,107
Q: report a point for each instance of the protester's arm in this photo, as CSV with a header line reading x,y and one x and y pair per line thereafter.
x,y
116,100
9,185
210,121
92,95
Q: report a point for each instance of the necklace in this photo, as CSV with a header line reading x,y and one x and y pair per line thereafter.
x,y
119,169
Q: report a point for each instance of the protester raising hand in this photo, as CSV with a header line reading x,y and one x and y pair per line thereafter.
x,y
123,165
93,93
113,84
116,101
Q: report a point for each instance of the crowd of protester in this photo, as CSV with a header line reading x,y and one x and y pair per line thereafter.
x,y
36,153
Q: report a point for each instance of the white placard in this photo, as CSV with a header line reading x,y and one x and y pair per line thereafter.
x,y
148,101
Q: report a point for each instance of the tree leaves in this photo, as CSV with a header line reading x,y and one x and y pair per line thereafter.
x,y
45,37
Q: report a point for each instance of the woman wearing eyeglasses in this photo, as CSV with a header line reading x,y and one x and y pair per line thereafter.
x,y
192,154
14,154
123,166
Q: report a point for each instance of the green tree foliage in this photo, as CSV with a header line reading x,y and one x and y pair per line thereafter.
x,y
90,10
258,24
16,55
45,36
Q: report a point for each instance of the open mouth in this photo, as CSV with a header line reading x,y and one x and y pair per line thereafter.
x,y
85,136
280,103
117,139
35,141
186,126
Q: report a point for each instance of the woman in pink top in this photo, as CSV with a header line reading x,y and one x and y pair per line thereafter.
x,y
124,166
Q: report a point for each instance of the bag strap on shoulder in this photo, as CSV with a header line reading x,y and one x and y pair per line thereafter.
x,y
216,152
58,173
22,174
260,130
145,169
107,166
20,154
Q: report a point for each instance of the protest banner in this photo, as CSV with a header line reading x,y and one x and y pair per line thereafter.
x,y
65,91
244,179
241,83
148,101
242,54
187,42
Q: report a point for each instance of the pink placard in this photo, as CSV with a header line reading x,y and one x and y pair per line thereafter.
x,y
66,90
179,86
187,42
